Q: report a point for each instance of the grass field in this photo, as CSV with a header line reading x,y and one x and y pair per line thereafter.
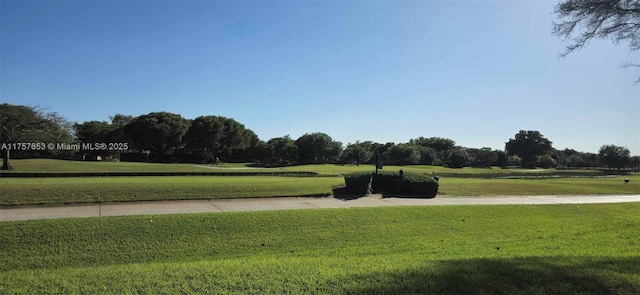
x,y
49,165
534,187
560,249
19,191
105,189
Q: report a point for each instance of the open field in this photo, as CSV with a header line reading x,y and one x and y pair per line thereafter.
x,y
106,189
49,165
19,191
440,170
534,187
561,249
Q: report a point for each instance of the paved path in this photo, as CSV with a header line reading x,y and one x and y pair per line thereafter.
x,y
233,205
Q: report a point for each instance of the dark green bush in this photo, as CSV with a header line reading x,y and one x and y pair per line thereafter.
x,y
384,181
357,182
419,184
391,182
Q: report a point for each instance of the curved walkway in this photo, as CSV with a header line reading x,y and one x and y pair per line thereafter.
x,y
12,213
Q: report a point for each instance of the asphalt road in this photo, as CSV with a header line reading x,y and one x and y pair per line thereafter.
x,y
13,213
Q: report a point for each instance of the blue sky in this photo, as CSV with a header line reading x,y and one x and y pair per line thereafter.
x,y
476,72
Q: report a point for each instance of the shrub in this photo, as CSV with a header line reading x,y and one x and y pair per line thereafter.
x,y
357,182
391,182
383,182
419,184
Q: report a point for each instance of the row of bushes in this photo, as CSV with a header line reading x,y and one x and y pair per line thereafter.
x,y
391,182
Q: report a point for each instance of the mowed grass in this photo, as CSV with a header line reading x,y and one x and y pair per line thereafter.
x,y
21,191
51,165
16,191
534,187
560,249
439,170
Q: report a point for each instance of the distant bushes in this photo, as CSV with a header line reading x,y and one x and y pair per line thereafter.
x,y
391,182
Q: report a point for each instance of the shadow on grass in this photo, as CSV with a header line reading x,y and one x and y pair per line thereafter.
x,y
405,196
341,192
548,275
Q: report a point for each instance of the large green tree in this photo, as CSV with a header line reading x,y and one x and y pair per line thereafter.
x,y
30,124
404,153
93,131
358,152
483,157
214,136
458,158
529,145
442,146
614,156
160,132
283,148
118,122
318,148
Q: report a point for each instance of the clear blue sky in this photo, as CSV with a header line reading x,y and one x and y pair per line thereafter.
x,y
475,72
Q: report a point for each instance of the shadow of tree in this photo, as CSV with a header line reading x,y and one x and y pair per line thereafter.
x,y
543,275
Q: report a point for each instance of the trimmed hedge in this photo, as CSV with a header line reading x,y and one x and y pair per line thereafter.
x,y
391,182
357,182
415,183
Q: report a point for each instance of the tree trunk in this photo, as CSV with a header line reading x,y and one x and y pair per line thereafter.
x,y
5,160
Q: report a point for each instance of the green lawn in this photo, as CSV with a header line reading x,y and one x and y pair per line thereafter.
x,y
17,191
560,249
50,165
532,187
439,170
103,189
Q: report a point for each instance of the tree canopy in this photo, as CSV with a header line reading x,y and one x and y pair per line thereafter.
x,y
318,148
170,137
160,132
615,19
93,131
283,148
359,152
403,154
529,145
213,136
614,156
441,146
30,124
458,158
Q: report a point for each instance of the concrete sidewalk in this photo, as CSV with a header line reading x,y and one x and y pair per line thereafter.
x,y
260,204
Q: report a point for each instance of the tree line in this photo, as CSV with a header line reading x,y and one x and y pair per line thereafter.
x,y
168,137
